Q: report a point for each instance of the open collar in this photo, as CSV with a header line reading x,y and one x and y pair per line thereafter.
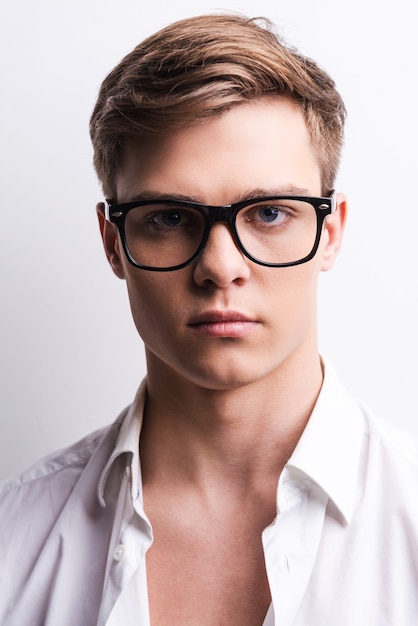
x,y
328,452
127,444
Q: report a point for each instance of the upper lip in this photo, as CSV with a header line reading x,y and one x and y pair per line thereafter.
x,y
216,317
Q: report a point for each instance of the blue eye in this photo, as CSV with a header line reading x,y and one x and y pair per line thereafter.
x,y
269,214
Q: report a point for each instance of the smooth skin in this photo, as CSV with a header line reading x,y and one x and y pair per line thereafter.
x,y
233,363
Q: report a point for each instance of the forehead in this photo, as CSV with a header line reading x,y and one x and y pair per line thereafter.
x,y
263,144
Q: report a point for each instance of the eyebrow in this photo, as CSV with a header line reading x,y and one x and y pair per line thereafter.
x,y
288,190
258,192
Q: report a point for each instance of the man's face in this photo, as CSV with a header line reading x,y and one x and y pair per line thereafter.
x,y
224,321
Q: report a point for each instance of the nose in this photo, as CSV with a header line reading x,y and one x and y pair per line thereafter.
x,y
221,261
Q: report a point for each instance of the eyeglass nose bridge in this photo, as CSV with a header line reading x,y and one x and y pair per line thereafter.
x,y
220,214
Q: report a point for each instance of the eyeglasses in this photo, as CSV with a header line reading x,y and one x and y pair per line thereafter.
x,y
275,231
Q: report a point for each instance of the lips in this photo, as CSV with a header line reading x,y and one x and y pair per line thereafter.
x,y
222,324
216,317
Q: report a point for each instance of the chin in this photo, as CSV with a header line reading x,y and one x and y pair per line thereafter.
x,y
226,377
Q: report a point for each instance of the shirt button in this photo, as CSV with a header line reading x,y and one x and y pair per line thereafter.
x,y
119,553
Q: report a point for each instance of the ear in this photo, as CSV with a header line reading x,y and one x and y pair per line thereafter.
x,y
111,242
334,228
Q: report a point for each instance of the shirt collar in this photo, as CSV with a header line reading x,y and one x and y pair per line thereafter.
x,y
127,444
328,452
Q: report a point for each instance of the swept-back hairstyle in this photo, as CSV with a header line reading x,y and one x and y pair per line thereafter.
x,y
200,67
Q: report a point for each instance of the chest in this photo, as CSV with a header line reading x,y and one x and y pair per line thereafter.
x,y
207,576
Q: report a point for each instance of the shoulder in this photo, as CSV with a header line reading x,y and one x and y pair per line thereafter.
x,y
52,502
52,465
41,491
389,466
70,460
394,443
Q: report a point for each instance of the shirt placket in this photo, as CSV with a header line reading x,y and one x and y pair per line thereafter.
x,y
131,538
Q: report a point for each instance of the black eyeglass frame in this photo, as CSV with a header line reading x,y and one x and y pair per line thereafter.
x,y
116,214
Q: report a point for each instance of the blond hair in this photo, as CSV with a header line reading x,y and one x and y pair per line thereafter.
x,y
200,67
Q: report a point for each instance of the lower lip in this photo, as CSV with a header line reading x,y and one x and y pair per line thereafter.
x,y
238,328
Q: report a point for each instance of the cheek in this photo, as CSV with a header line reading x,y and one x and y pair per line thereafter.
x,y
293,304
294,286
151,299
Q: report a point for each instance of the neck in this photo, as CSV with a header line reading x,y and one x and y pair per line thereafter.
x,y
202,435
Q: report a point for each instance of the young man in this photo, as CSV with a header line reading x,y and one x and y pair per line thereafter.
x,y
243,486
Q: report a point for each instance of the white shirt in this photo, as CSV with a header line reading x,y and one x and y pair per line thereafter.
x,y
342,550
